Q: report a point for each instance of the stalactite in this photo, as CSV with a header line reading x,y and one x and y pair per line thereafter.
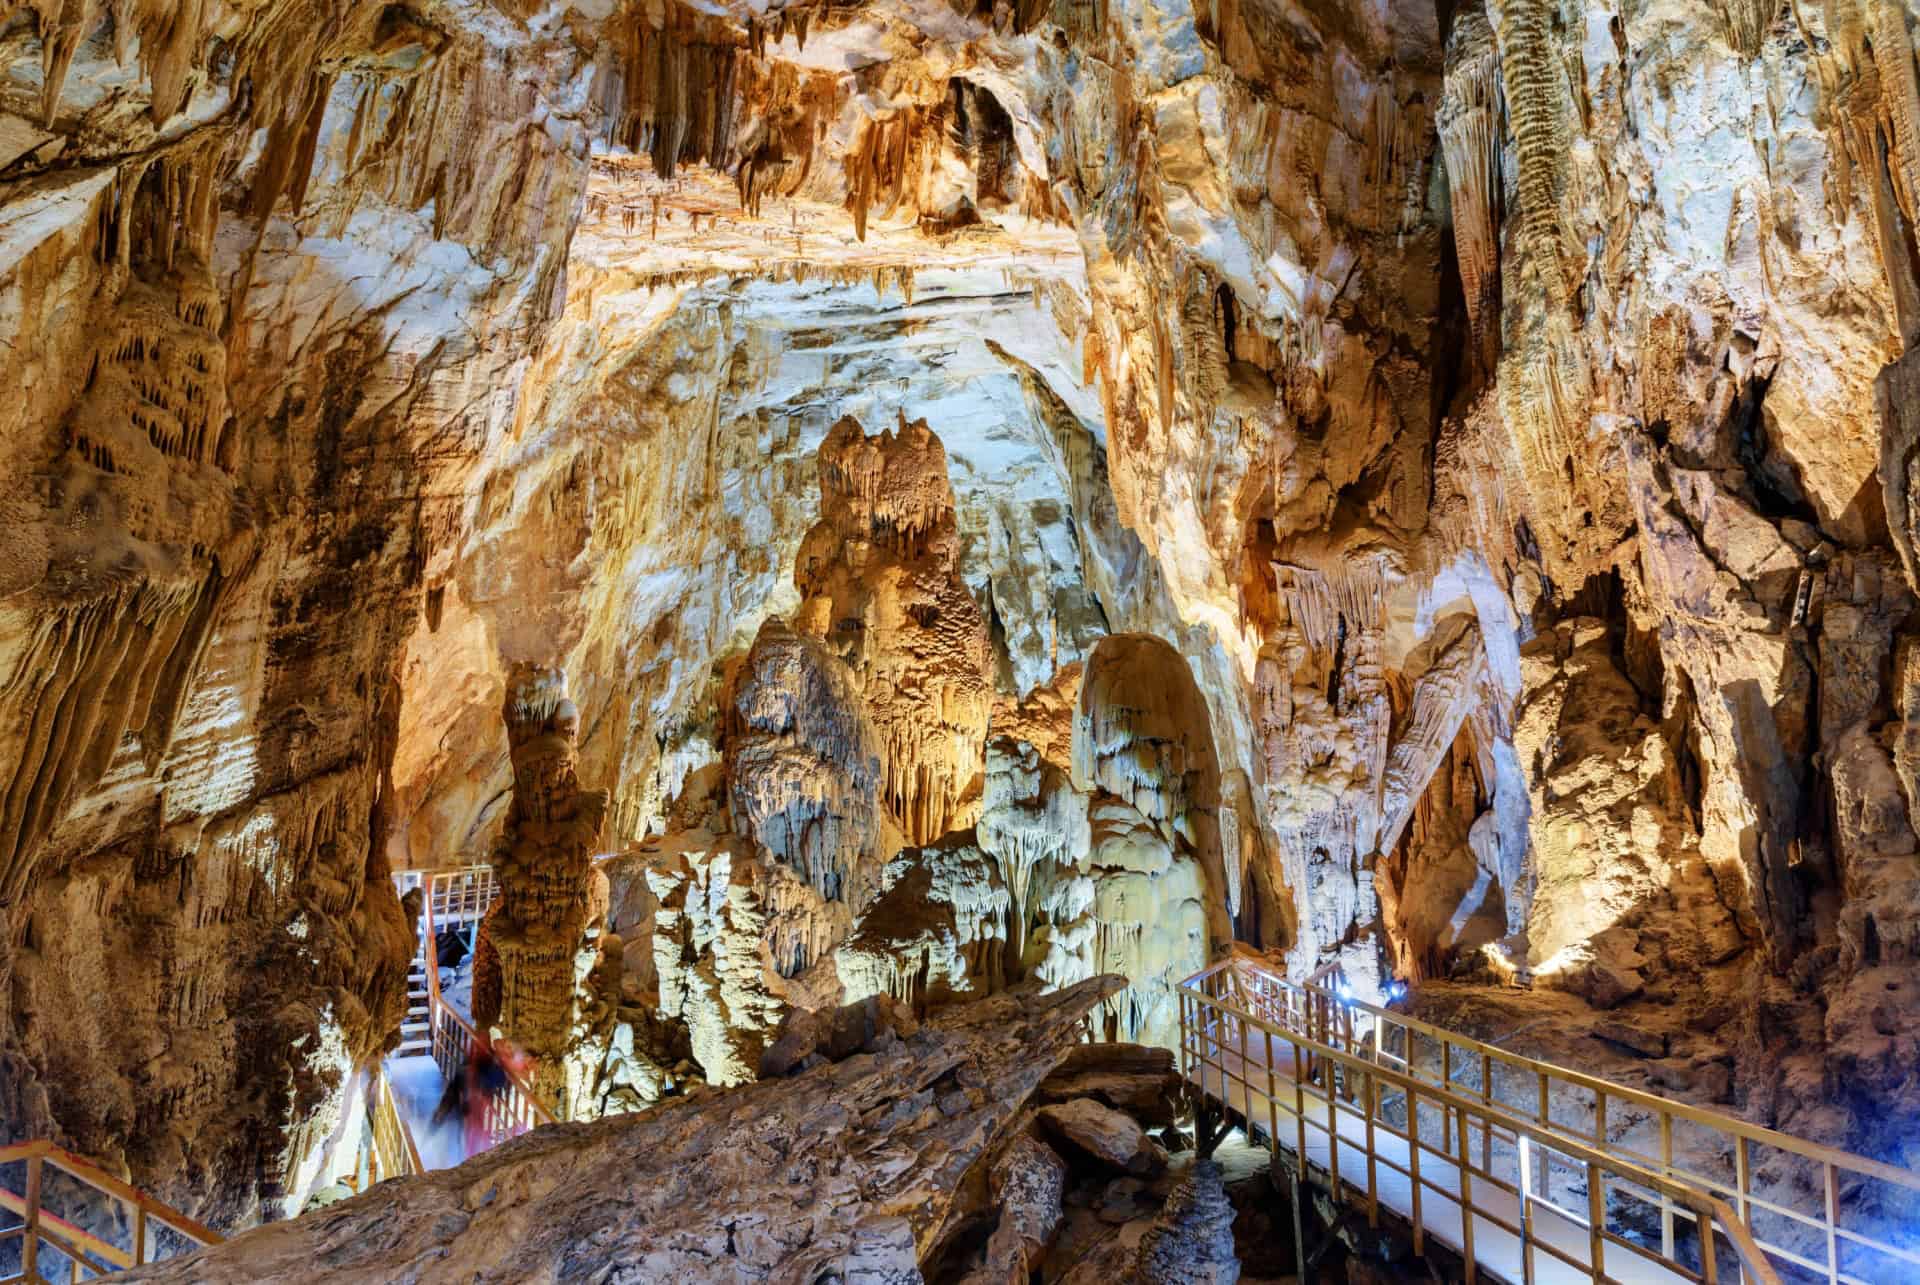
x,y
1537,112
1470,137
673,93
110,664
1900,103
1746,23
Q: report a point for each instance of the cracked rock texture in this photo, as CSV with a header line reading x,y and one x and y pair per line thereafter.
x,y
847,1169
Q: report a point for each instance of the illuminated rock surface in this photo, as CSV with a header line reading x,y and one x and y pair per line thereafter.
x,y
1017,492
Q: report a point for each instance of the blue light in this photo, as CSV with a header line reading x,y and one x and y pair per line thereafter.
x,y
1346,993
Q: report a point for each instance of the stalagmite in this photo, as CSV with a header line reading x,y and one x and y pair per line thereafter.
x,y
544,863
804,762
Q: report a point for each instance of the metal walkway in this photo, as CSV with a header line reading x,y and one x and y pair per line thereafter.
x,y
1529,1171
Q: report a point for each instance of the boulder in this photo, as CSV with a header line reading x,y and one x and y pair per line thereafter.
x,y
1110,1137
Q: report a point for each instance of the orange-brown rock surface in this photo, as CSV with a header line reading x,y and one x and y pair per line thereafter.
x,y
1423,487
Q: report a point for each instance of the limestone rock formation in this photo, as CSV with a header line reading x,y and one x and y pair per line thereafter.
x,y
936,932
1422,488
759,1180
1109,1136
1143,747
804,763
549,890
1624,897
727,931
879,581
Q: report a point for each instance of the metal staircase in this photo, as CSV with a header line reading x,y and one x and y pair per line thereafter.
x,y
416,1029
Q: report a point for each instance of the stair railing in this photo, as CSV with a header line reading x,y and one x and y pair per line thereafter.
x,y
393,1154
40,1229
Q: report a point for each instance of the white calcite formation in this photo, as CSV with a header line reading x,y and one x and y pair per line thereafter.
x,y
804,764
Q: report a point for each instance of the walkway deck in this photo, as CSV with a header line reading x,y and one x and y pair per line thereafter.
x,y
1531,1172
1384,1162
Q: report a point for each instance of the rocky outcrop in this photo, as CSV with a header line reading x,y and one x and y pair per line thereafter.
x,y
1624,897
256,260
804,764
936,932
1394,485
755,1180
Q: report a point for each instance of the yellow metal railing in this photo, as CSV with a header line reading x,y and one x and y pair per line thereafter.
x,y
1515,1108
393,1154
86,1254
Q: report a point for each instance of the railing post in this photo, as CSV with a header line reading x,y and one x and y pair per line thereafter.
x,y
139,1234
1525,1146
1708,1267
30,1237
1742,1177
1465,1169
1333,1125
1246,1080
1833,1222
1596,1222
1370,1103
1666,1171
1273,1107
1299,1109
1486,1096
1413,1161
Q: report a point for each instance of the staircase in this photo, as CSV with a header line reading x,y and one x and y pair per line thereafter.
x,y
1530,1172
52,1248
416,1030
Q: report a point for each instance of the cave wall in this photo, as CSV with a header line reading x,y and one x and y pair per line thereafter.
x,y
272,274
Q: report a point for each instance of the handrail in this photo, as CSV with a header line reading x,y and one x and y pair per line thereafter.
x,y
1618,1092
452,1037
394,1154
85,1250
1741,1135
1706,1206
